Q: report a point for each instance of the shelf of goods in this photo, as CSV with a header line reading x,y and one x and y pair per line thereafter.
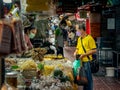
x,y
105,56
116,63
105,50
11,40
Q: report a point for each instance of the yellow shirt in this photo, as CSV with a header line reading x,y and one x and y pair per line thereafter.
x,y
88,43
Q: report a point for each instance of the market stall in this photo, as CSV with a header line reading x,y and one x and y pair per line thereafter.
x,y
46,72
33,69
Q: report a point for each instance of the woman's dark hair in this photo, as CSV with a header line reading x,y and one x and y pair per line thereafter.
x,y
26,29
32,27
82,26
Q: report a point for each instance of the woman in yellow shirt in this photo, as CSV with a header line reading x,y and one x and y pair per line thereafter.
x,y
90,47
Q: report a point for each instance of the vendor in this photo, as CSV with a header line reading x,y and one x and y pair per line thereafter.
x,y
30,33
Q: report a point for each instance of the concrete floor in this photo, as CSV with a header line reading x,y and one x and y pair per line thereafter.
x,y
100,82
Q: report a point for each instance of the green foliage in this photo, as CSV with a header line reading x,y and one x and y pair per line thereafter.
x,y
58,74
14,67
40,66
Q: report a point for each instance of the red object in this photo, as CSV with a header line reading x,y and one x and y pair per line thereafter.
x,y
88,26
77,16
78,77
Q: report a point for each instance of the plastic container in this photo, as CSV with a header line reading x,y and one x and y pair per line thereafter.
x,y
11,79
110,71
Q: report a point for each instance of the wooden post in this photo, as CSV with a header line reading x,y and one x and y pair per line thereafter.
x,y
2,70
1,9
0,73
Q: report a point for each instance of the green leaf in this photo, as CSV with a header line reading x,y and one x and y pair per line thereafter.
x,y
40,66
14,67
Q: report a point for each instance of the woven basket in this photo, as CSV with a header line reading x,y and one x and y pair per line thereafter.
x,y
29,74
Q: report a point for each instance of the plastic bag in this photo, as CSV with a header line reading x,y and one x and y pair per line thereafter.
x,y
76,66
82,77
79,73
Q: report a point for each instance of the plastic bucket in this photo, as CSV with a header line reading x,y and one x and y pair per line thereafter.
x,y
110,71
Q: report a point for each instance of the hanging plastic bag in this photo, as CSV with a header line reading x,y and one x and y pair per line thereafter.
x,y
81,78
76,65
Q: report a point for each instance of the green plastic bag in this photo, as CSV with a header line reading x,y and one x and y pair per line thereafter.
x,y
76,65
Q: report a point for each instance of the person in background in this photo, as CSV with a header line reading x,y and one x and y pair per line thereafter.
x,y
90,47
29,34
59,40
65,35
71,37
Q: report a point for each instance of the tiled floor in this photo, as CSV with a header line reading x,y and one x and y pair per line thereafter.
x,y
106,83
100,83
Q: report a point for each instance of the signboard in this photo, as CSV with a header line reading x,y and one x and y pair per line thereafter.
x,y
66,6
111,23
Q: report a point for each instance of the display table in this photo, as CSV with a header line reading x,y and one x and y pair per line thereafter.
x,y
46,79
